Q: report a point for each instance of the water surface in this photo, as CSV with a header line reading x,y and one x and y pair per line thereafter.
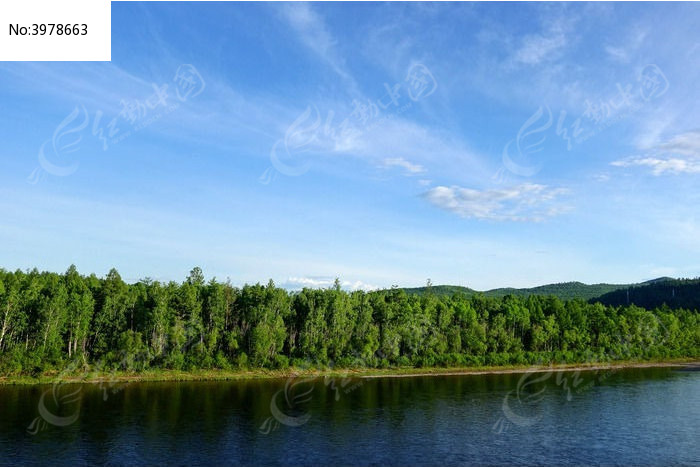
x,y
637,416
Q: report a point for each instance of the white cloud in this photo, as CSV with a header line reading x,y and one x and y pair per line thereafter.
x,y
409,167
678,155
526,202
325,282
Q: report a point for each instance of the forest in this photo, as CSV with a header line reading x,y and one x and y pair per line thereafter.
x,y
49,321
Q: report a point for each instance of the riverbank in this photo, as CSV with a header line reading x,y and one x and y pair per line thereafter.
x,y
398,372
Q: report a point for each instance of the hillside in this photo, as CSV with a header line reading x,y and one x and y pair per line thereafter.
x,y
563,291
675,293
442,290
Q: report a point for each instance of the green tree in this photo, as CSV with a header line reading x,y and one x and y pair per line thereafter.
x,y
110,318
80,307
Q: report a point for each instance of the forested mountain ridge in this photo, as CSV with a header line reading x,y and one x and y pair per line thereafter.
x,y
441,290
50,320
673,293
562,290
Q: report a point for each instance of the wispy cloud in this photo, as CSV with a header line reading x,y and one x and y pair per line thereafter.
x,y
617,53
526,202
409,167
314,34
687,144
659,166
678,155
536,48
624,52
413,147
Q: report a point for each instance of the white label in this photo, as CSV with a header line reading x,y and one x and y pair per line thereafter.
x,y
55,30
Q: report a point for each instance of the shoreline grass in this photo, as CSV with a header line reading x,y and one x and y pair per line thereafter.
x,y
164,375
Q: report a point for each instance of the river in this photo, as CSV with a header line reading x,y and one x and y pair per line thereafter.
x,y
644,416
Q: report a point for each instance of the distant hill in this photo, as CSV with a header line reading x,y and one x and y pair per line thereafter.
x,y
564,290
653,293
676,293
441,290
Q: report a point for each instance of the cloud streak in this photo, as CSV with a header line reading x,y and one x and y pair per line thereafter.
x,y
678,155
314,34
399,162
527,202
537,48
661,166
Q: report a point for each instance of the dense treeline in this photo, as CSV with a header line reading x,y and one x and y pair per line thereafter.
x,y
48,321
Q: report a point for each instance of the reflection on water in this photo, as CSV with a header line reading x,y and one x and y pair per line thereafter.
x,y
642,416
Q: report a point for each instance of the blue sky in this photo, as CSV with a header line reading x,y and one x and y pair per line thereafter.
x,y
484,145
